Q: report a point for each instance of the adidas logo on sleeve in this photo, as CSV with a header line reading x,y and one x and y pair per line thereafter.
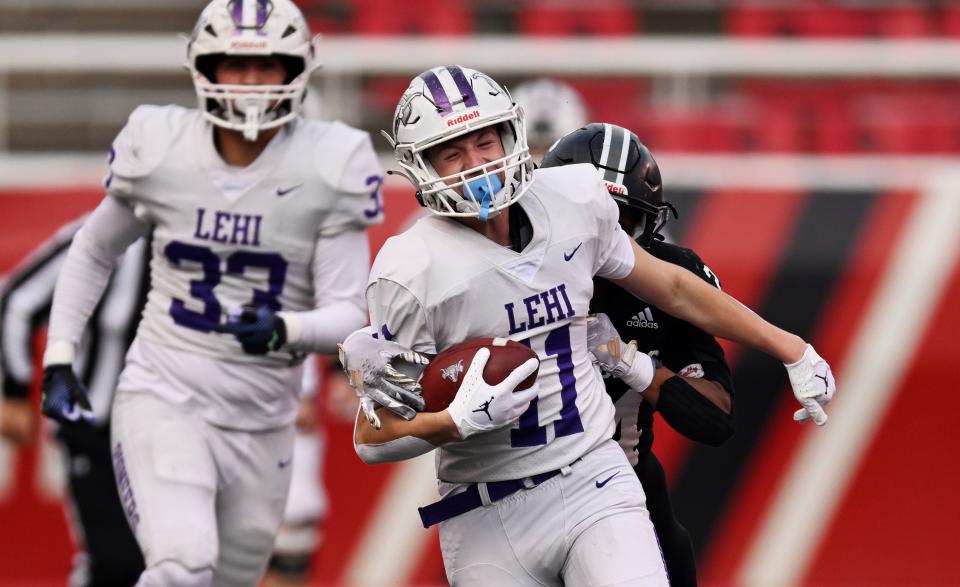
x,y
643,319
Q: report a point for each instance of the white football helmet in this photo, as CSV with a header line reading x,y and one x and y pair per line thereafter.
x,y
447,102
251,28
552,109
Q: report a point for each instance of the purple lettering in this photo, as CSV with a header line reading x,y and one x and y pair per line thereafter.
x,y
551,302
513,322
562,288
531,303
197,233
241,223
219,234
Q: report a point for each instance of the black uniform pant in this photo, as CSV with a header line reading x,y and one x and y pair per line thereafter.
x,y
113,557
674,540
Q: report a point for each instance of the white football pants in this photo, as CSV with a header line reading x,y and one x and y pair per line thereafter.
x,y
589,527
202,496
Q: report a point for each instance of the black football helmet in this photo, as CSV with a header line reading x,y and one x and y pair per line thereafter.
x,y
629,171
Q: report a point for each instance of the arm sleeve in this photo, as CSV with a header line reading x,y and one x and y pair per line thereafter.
x,y
109,230
396,314
25,304
340,272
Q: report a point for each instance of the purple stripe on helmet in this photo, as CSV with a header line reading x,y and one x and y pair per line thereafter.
x,y
436,90
238,13
262,9
469,97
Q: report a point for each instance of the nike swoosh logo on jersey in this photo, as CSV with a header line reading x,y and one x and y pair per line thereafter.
x,y
282,463
282,192
600,484
567,257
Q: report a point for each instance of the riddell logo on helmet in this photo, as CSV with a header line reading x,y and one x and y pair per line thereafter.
x,y
463,118
247,44
616,188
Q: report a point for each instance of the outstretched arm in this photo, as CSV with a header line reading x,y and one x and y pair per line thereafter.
x,y
680,293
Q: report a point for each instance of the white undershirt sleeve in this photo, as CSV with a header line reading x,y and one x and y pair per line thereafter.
x,y
93,255
620,258
340,270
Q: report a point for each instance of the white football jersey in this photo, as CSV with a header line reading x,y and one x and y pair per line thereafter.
x,y
440,283
224,236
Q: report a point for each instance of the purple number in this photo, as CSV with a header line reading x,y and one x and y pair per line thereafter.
x,y
529,432
201,289
558,343
273,263
376,195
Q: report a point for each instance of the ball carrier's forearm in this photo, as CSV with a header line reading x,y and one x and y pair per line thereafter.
x,y
436,428
683,295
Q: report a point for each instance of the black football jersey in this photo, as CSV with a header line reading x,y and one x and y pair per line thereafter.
x,y
680,346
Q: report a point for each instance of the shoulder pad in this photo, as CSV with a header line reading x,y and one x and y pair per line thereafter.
x,y
143,143
579,183
337,144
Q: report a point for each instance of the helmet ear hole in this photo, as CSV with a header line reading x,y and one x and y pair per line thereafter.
x,y
207,66
294,66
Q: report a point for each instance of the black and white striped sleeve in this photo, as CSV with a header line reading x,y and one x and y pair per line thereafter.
x,y
25,299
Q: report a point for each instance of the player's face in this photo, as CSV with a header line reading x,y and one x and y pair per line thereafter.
x,y
250,71
467,152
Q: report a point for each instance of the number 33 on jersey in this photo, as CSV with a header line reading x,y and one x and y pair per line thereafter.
x,y
225,237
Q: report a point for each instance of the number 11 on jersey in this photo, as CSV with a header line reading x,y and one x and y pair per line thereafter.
x,y
530,432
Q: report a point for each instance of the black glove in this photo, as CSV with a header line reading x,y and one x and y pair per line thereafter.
x,y
258,328
63,397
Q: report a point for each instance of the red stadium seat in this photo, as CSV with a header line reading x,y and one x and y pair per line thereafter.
x,y
823,19
949,19
711,129
916,120
621,101
904,21
566,18
387,17
754,20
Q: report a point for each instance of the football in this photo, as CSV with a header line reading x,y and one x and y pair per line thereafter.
x,y
442,377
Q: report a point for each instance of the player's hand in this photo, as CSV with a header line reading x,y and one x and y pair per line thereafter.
x,y
383,372
258,328
481,407
17,420
616,358
63,396
813,386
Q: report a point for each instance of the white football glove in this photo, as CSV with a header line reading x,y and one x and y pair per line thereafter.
x,y
813,386
616,358
383,372
481,407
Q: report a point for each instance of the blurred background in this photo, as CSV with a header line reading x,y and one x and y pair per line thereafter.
x,y
811,147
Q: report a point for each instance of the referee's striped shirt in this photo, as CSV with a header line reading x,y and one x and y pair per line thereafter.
x,y
25,298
